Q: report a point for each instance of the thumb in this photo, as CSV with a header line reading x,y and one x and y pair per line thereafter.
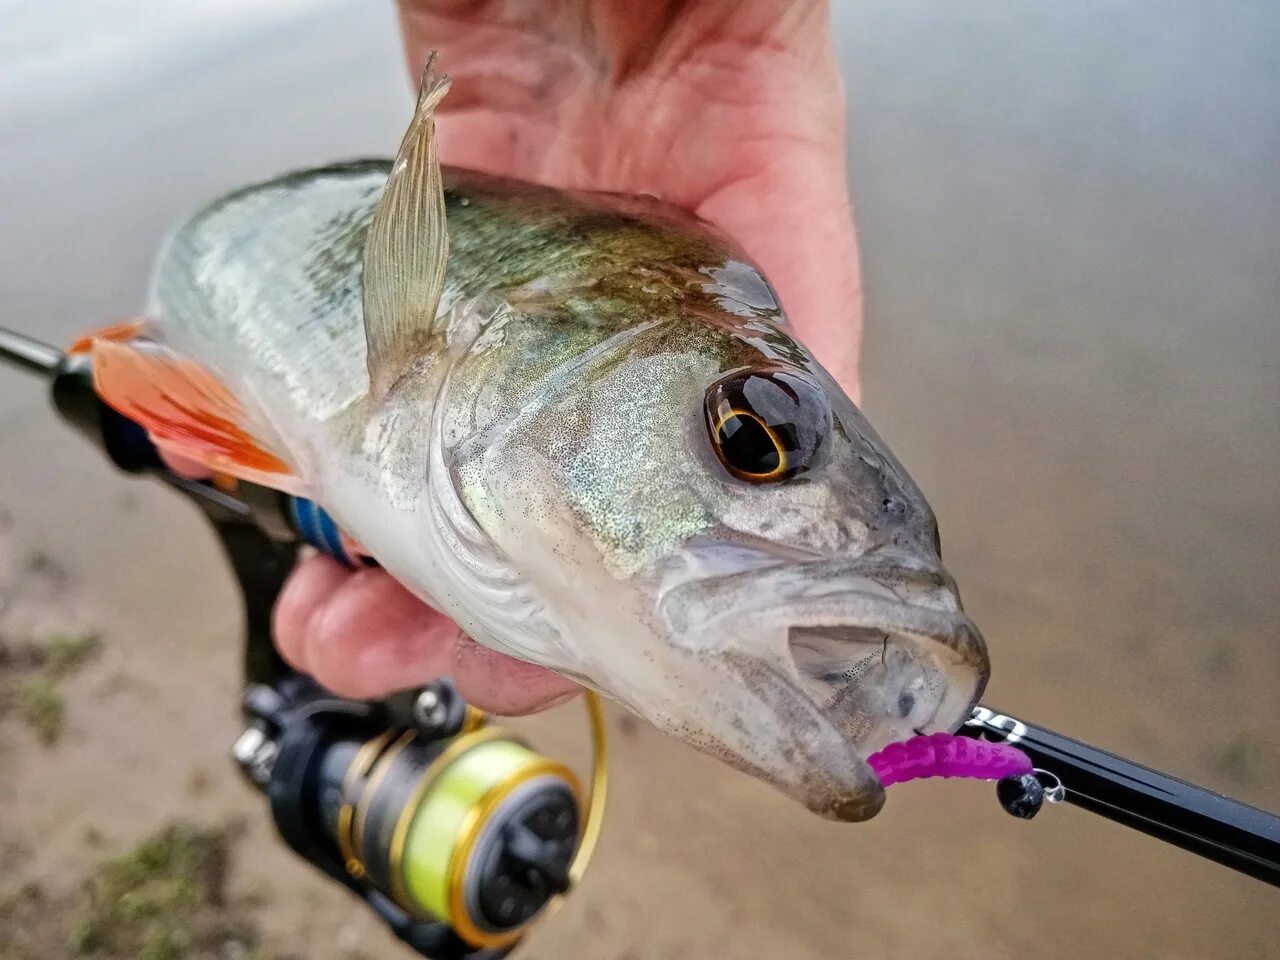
x,y
794,220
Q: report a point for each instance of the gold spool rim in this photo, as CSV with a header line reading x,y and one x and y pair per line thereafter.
x,y
470,830
460,745
595,802
364,758
598,796
371,788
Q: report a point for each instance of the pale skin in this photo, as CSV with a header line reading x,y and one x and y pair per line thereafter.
x,y
733,110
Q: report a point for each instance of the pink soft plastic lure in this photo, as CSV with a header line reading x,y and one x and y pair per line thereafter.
x,y
946,755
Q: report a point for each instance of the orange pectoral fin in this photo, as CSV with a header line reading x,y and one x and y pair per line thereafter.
x,y
185,410
120,332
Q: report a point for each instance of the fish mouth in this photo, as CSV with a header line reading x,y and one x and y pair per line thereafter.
x,y
888,654
844,657
881,668
878,686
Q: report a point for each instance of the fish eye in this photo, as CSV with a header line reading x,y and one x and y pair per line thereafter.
x,y
767,425
906,703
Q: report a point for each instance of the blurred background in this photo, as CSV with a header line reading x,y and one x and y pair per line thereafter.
x,y
1070,220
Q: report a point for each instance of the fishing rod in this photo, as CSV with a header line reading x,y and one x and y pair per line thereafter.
x,y
349,782
1209,824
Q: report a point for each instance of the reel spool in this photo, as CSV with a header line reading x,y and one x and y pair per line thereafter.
x,y
458,822
477,831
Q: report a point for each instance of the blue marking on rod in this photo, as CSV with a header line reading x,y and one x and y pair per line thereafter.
x,y
318,529
332,538
303,515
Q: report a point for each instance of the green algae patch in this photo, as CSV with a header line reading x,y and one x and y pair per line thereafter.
x,y
163,900
42,707
30,678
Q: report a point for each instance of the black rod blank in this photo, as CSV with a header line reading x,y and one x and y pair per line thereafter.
x,y
1209,824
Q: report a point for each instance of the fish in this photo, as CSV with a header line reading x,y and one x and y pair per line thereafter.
x,y
579,425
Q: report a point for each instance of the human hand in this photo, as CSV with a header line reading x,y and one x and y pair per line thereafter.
x,y
734,111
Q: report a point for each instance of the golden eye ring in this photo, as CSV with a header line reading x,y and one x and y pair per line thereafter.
x,y
776,473
767,425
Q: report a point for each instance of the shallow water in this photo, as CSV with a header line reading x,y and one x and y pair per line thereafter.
x,y
1070,220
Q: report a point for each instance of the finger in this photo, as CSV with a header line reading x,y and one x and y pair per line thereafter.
x,y
363,635
813,268
504,685
371,637
788,204
309,586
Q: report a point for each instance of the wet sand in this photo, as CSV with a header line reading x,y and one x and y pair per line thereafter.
x,y
1070,221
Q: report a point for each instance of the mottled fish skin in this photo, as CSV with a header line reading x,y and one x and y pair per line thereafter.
x,y
544,474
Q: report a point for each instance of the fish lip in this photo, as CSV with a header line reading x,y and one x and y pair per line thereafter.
x,y
896,572
821,792
930,610
889,567
897,592
904,569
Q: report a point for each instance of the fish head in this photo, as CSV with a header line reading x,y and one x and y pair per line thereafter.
x,y
726,547
818,593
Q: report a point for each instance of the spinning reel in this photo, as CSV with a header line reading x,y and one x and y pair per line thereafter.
x,y
423,809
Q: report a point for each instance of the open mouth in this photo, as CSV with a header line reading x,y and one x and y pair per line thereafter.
x,y
876,686
878,643
905,660
832,659
900,659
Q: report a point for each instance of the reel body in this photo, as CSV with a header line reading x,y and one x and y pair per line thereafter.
x,y
455,822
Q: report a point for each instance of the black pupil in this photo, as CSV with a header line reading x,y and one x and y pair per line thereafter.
x,y
746,444
767,425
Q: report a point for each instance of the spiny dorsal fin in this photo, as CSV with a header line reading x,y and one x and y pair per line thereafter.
x,y
408,247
